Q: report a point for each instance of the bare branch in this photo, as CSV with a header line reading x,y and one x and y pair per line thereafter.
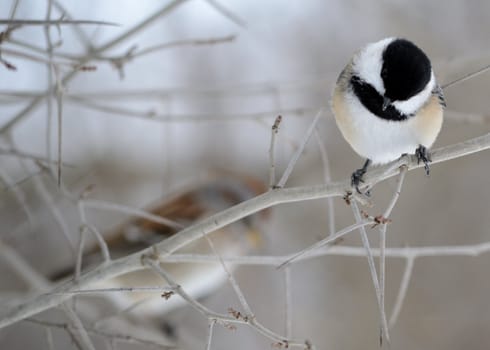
x,y
288,307
232,280
237,212
224,320
299,151
76,28
165,10
59,22
77,328
227,13
402,292
466,77
272,164
59,108
327,178
85,226
103,205
34,58
168,8
49,339
97,331
18,195
329,239
23,269
168,117
473,250
382,238
178,43
159,289
374,276
211,324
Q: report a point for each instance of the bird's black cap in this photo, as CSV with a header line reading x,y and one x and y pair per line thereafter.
x,y
406,70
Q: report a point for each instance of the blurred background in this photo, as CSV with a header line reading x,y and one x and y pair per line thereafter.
x,y
137,125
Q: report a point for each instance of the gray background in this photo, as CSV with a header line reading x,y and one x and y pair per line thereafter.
x,y
287,57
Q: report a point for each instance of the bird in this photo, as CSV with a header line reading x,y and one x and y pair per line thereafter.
x,y
184,208
387,103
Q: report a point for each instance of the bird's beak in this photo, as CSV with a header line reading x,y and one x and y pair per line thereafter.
x,y
386,103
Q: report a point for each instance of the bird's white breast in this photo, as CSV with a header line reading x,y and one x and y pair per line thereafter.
x,y
372,137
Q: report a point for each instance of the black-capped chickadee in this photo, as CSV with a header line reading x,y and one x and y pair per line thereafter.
x,y
387,103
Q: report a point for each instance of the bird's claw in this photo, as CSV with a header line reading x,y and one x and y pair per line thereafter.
x,y
356,179
423,155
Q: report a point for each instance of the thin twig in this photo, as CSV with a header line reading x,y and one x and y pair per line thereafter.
x,y
473,250
299,151
165,10
35,58
21,154
118,208
227,13
13,10
211,324
180,43
374,276
402,292
78,328
18,195
59,108
288,307
104,249
23,269
272,164
49,338
97,331
237,212
85,226
396,194
211,315
466,77
327,178
151,114
76,28
236,288
329,239
59,22
48,199
240,90
49,71
81,247
159,289
178,289
382,238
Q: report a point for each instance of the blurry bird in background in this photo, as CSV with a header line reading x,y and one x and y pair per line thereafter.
x,y
184,208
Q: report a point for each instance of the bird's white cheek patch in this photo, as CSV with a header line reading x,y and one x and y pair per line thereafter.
x,y
368,63
413,104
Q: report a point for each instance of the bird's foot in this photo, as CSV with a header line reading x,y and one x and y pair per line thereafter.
x,y
423,155
357,177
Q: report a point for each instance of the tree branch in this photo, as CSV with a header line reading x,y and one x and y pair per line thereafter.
x,y
274,197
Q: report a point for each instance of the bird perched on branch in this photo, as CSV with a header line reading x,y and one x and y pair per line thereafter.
x,y
387,103
183,209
